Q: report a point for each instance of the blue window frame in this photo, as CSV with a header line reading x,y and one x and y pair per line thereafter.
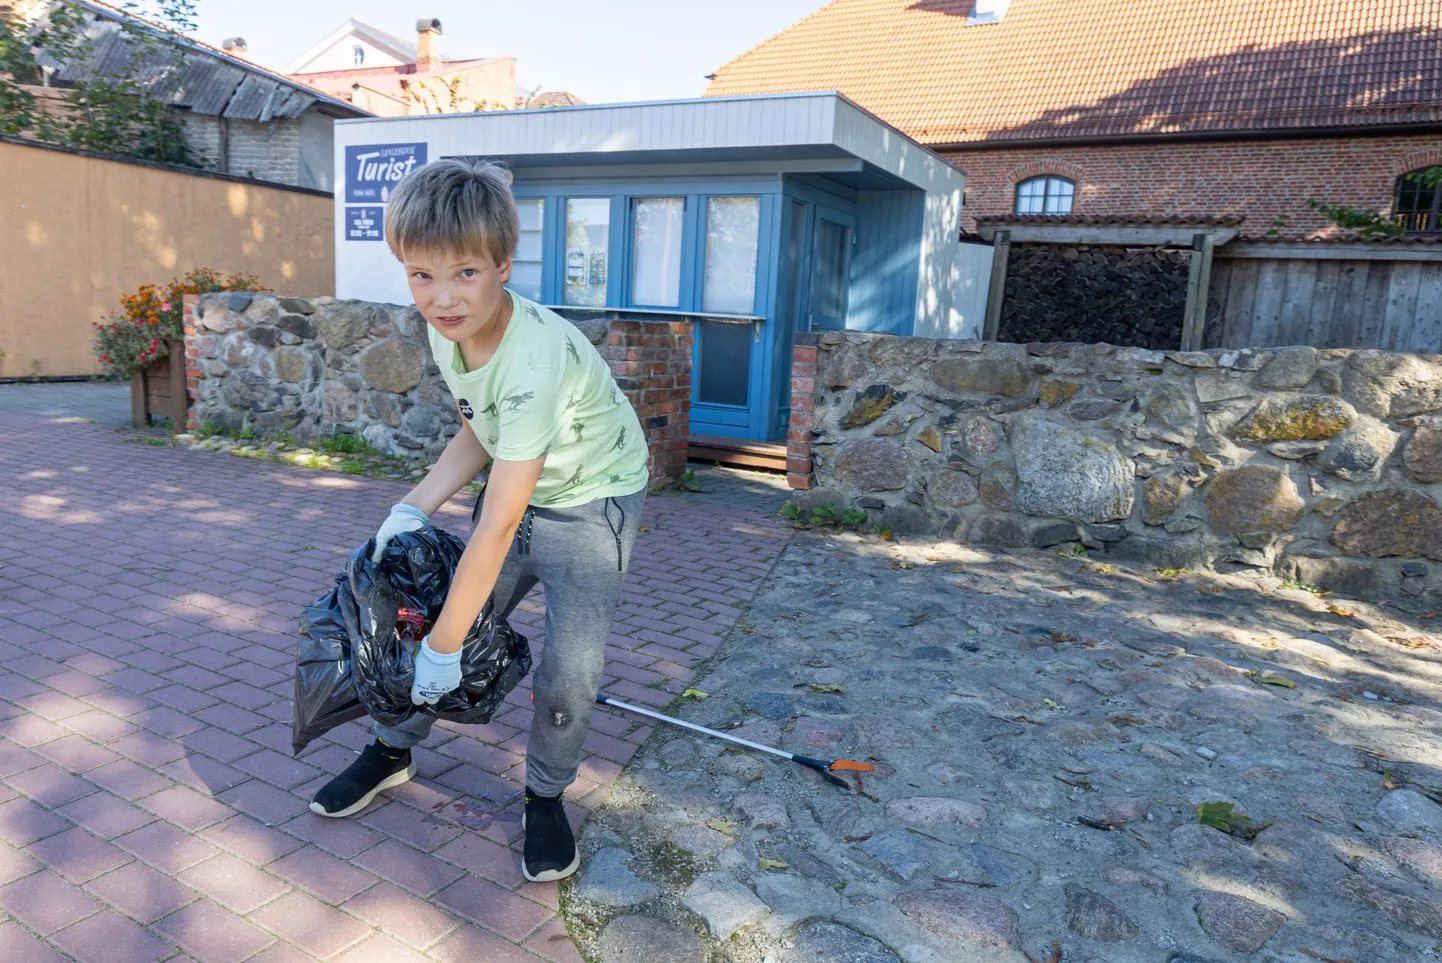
x,y
639,274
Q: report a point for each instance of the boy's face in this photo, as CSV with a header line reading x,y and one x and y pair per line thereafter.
x,y
459,295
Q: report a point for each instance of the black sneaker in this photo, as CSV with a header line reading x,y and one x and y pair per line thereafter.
x,y
379,767
550,852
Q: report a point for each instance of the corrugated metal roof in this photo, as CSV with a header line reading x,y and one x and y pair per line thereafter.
x,y
205,86
193,76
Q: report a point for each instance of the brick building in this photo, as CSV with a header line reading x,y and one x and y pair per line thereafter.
x,y
1115,109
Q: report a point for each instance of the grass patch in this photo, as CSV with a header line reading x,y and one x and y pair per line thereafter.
x,y
345,454
1305,587
345,445
673,865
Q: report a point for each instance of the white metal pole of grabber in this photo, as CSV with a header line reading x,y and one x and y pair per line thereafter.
x,y
828,770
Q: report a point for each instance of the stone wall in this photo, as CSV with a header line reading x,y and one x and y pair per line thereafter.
x,y
1325,466
319,367
1135,297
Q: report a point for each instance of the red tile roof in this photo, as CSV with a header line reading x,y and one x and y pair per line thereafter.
x,y
1104,68
1116,220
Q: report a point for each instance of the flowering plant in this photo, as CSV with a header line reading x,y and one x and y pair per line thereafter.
x,y
151,318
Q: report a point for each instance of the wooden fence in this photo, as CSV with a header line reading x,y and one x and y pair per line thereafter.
x,y
1366,295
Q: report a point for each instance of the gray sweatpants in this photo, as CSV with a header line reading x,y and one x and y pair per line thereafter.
x,y
579,555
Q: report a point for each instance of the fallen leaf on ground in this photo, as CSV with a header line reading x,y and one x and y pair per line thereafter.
x,y
1079,783
1318,956
696,694
721,825
765,863
833,687
1271,678
1340,612
1407,643
1223,817
1054,957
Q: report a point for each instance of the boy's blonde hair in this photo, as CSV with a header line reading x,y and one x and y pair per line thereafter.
x,y
455,204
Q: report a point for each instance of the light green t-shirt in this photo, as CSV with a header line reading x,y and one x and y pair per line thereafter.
x,y
547,391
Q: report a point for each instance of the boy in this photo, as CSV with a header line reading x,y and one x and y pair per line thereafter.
x,y
561,507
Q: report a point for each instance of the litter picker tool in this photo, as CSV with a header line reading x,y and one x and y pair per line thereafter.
x,y
828,770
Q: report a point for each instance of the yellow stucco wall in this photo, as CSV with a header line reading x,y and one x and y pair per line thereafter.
x,y
76,232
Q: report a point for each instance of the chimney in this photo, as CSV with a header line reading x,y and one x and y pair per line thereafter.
x,y
234,45
428,44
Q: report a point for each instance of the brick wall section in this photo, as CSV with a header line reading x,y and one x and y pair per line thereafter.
x,y
268,151
190,304
1259,180
803,408
652,364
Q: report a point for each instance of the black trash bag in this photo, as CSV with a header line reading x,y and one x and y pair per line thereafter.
x,y
357,642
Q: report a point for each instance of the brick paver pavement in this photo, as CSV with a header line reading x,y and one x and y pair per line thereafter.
x,y
150,808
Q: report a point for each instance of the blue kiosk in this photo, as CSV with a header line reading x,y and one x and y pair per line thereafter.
x,y
750,217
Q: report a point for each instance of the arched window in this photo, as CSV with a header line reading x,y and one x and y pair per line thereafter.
x,y
1417,200
1045,195
359,53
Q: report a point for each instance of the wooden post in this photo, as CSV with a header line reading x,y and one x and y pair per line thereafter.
x,y
996,293
139,416
179,410
1199,282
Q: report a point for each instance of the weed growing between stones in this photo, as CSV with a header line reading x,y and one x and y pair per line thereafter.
x,y
345,454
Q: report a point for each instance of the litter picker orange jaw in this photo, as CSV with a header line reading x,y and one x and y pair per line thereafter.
x,y
830,769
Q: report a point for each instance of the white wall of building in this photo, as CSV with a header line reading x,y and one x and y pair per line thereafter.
x,y
341,56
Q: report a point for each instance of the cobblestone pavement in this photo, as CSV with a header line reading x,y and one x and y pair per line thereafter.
x,y
150,808
1043,729
101,402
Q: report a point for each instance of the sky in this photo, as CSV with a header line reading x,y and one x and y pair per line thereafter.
x,y
604,51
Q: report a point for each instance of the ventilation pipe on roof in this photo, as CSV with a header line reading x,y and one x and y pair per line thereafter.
x,y
428,44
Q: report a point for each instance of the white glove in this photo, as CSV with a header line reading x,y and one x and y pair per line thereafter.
x,y
436,674
403,518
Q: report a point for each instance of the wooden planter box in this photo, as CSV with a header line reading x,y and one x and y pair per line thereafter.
x,y
159,389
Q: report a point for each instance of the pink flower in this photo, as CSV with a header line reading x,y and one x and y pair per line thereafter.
x,y
165,306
